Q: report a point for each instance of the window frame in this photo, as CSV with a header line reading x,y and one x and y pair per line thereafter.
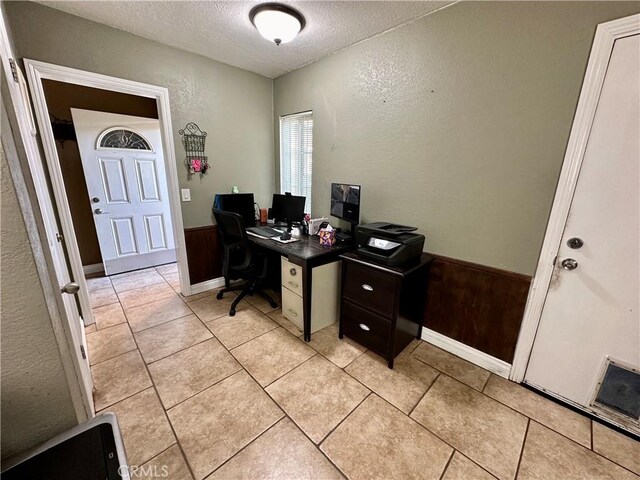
x,y
282,119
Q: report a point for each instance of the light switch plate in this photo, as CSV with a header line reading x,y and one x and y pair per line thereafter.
x,y
186,194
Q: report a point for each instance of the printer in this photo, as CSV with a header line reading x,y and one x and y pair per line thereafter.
x,y
388,243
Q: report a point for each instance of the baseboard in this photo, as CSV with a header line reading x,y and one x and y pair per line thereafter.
x,y
207,285
95,268
495,365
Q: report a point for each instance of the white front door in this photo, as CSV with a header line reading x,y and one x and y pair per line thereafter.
x,y
591,312
124,170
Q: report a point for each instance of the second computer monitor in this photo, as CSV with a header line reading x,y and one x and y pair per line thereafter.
x,y
345,202
241,203
287,208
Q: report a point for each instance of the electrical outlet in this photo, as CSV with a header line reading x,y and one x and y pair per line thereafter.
x,y
186,194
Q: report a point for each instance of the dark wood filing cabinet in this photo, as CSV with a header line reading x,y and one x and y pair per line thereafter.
x,y
382,307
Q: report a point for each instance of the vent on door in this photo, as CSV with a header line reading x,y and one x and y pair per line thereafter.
x,y
619,390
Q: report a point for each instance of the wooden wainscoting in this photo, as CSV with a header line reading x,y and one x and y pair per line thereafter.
x,y
204,253
479,306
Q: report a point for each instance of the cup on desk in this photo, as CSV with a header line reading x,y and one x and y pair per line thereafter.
x,y
296,232
263,215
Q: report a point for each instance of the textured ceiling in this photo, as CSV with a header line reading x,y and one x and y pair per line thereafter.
x,y
221,30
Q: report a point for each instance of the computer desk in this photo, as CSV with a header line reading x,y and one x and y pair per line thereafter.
x,y
308,254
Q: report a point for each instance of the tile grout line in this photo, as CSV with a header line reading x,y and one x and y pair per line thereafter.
x,y
514,409
486,382
200,391
371,392
115,356
175,436
524,441
447,464
476,463
285,414
438,436
245,447
286,373
424,394
166,415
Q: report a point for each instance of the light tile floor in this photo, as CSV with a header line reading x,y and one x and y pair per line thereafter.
x,y
199,394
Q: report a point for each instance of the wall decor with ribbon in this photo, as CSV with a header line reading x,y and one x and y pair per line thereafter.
x,y
193,140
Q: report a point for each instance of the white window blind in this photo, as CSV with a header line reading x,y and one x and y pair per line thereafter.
x,y
296,155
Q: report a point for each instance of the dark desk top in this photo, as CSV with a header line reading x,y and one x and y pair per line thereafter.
x,y
306,248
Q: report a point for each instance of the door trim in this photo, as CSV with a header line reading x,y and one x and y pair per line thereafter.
x,y
606,34
38,71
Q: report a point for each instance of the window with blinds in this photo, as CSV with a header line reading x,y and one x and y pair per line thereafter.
x,y
296,155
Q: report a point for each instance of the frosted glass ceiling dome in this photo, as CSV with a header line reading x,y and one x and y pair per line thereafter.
x,y
277,22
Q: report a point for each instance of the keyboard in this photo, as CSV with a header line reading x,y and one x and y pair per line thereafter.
x,y
267,232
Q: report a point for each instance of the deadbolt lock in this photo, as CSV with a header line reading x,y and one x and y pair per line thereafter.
x,y
575,242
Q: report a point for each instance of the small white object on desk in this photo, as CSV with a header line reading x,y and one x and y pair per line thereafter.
x,y
278,239
314,224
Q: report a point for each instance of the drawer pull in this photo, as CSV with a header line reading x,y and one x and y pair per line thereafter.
x,y
364,327
293,272
368,288
292,312
293,284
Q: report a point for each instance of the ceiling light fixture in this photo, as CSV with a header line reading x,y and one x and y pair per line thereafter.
x,y
277,22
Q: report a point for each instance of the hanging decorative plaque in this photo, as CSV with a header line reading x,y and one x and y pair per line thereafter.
x,y
193,140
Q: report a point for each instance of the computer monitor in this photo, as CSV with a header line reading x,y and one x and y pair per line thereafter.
x,y
287,208
345,202
241,203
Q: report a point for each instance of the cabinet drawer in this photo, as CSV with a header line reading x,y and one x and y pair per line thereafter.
x,y
370,287
291,276
366,328
292,308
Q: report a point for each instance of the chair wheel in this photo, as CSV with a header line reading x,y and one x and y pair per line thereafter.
x,y
219,295
232,312
273,305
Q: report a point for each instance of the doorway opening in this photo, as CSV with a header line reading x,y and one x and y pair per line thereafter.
x,y
115,185
110,154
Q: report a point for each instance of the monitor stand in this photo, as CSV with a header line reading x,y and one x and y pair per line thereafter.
x,y
343,236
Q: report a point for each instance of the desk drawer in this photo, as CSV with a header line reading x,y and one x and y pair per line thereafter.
x,y
292,308
291,276
370,287
366,328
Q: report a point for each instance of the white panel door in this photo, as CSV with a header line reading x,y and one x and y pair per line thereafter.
x,y
592,307
70,319
125,175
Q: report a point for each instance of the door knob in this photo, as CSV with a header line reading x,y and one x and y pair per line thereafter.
x,y
71,288
569,264
99,211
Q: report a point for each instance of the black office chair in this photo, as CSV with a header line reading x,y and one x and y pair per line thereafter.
x,y
241,262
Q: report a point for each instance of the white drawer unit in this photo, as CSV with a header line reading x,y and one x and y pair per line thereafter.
x,y
325,294
292,308
291,276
